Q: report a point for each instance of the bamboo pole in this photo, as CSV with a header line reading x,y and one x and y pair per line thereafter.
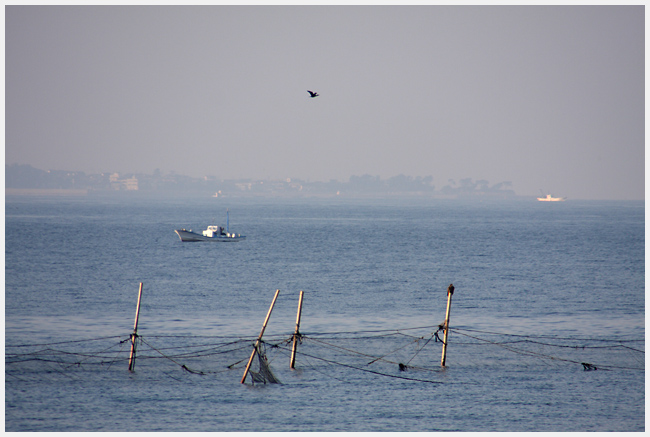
x,y
450,292
135,332
296,335
257,342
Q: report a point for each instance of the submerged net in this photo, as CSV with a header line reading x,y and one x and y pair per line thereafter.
x,y
263,373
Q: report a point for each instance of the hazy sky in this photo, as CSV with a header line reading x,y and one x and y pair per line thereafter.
x,y
546,97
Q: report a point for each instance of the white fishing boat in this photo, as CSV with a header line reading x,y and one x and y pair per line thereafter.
x,y
212,233
550,198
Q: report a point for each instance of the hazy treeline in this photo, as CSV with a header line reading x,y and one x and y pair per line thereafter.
x,y
26,176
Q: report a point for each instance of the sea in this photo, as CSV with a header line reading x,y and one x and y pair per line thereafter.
x,y
546,328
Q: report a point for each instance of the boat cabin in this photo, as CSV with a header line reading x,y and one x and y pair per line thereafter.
x,y
213,231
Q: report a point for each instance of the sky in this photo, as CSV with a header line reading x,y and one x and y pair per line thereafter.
x,y
548,98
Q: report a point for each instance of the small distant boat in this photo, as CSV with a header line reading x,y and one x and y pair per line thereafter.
x,y
212,233
550,198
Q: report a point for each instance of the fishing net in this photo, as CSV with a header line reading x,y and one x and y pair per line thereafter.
x,y
407,354
263,371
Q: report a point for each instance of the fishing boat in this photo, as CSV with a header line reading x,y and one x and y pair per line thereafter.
x,y
550,198
212,233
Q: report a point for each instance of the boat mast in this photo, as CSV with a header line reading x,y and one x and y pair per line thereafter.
x,y
227,221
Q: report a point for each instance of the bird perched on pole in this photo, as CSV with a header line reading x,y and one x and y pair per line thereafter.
x,y
312,94
450,289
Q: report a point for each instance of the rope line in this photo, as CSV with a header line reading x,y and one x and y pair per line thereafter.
x,y
63,342
423,346
546,336
540,355
366,370
182,366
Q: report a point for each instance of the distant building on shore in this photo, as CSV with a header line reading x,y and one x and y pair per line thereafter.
x,y
128,184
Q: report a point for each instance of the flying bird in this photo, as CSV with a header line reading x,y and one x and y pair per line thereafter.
x,y
312,94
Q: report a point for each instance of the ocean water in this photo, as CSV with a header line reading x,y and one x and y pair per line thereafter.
x,y
539,289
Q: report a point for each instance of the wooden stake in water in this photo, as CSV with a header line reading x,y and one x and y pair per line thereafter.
x,y
296,335
450,292
135,332
259,339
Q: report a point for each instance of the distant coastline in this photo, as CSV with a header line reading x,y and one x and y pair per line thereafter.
x,y
25,180
44,192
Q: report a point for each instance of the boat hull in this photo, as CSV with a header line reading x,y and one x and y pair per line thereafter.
x,y
189,236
